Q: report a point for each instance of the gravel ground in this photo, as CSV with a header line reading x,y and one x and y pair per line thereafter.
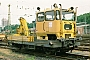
x,y
7,54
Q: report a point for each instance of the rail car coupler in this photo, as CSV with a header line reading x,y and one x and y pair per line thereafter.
x,y
61,39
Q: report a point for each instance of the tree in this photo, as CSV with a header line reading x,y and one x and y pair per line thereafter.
x,y
14,27
82,18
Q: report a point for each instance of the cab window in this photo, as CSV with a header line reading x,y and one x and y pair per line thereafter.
x,y
69,16
40,16
50,15
57,15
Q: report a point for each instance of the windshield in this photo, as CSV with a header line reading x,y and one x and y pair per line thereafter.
x,y
40,16
50,15
68,16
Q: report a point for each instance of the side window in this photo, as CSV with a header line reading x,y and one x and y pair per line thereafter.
x,y
40,16
57,15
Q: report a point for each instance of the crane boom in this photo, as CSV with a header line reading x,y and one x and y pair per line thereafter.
x,y
23,28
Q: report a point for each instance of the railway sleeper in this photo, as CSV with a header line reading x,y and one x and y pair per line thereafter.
x,y
85,44
82,49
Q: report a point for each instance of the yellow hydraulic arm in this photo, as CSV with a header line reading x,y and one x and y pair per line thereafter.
x,y
23,28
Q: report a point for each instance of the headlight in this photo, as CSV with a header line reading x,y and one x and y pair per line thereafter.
x,y
67,26
50,43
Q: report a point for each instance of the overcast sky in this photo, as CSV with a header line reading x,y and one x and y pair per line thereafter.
x,y
29,8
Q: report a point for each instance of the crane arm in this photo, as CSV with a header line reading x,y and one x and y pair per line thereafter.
x,y
23,28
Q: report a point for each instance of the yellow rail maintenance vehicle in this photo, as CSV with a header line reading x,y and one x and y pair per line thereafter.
x,y
55,31
57,23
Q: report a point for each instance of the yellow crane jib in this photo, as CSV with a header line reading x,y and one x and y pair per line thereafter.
x,y
23,28
23,33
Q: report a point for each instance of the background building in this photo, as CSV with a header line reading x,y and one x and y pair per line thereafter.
x,y
83,28
0,28
4,22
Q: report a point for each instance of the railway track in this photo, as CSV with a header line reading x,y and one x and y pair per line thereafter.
x,y
84,44
76,54
63,56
